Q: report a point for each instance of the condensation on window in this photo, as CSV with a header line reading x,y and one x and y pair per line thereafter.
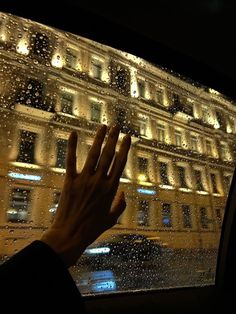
x,y
177,176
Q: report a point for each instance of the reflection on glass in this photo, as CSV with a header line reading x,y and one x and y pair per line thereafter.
x,y
177,175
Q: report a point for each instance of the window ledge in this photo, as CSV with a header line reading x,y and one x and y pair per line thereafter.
x,y
185,190
59,170
202,192
166,187
25,165
34,111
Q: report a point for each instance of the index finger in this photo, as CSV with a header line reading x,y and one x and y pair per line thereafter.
x,y
120,159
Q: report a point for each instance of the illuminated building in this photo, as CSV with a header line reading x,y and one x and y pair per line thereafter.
x,y
182,158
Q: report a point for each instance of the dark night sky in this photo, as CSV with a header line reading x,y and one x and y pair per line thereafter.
x,y
167,33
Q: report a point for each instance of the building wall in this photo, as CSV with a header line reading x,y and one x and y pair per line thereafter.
x,y
34,90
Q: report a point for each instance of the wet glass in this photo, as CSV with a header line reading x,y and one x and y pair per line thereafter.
x,y
177,176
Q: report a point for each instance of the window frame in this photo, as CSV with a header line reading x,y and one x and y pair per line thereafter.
x,y
190,297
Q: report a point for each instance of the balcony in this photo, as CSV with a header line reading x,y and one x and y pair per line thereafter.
x,y
182,108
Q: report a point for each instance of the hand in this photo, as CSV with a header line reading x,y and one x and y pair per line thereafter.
x,y
88,204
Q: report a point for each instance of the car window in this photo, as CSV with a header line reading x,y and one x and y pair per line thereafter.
x,y
178,172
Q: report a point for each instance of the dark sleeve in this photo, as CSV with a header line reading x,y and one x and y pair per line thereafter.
x,y
36,278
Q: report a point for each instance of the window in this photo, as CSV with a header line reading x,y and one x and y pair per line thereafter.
x,y
161,132
67,101
194,144
218,217
160,199
143,212
121,119
198,180
186,212
221,119
166,215
143,168
141,88
143,127
224,151
182,178
159,96
71,59
32,95
61,153
120,79
27,147
205,114
95,112
213,183
40,46
19,205
208,148
227,182
178,138
164,173
96,68
204,221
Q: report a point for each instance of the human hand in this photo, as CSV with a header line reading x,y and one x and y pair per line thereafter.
x,y
89,204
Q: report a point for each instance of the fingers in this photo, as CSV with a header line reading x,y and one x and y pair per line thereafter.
x,y
71,154
109,150
118,206
95,150
120,159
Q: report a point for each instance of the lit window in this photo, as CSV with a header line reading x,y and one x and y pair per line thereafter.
x,y
19,205
159,96
141,88
164,173
160,132
143,127
61,153
71,58
187,220
143,212
182,178
208,147
95,112
178,138
27,147
224,151
166,215
213,183
198,180
143,167
96,68
205,114
204,221
67,101
221,119
194,144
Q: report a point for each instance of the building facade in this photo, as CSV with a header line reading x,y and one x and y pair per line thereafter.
x,y
181,161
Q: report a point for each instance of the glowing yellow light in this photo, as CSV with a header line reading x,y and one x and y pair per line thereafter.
x,y
124,180
57,61
3,36
166,187
22,47
202,192
142,177
213,91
